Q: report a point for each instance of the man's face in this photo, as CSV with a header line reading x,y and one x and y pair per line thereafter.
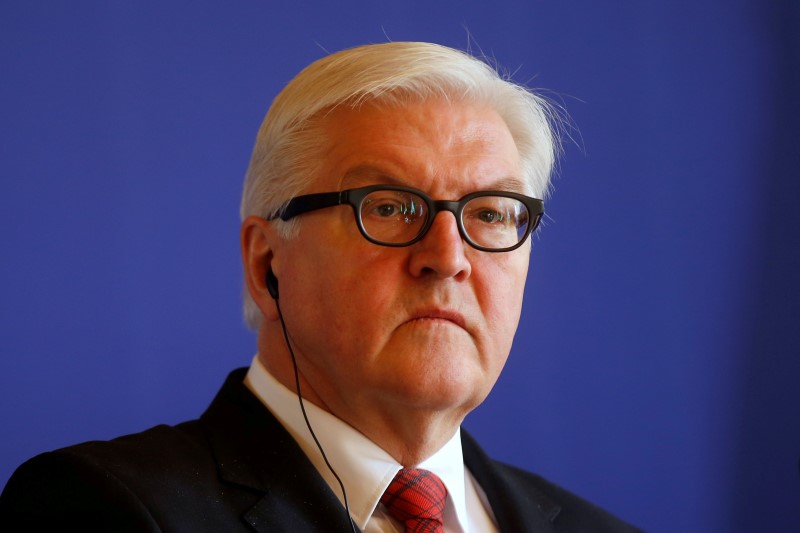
x,y
379,331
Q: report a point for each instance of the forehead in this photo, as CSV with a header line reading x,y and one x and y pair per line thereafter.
x,y
435,145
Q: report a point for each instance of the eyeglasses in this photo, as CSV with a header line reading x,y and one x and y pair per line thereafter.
x,y
389,215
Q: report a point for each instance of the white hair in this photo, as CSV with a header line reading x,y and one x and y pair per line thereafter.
x,y
287,147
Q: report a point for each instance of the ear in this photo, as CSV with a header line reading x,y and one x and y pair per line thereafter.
x,y
258,239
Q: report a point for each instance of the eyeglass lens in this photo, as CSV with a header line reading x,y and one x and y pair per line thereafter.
x,y
398,217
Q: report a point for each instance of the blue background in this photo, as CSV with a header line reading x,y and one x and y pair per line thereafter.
x,y
656,369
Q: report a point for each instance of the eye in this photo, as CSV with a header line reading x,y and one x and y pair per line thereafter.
x,y
490,216
382,205
385,209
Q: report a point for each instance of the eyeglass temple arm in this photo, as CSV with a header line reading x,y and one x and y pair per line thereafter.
x,y
309,202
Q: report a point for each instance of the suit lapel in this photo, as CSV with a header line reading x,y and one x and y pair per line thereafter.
x,y
286,493
517,507
253,450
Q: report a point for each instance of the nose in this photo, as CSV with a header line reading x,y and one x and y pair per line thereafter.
x,y
442,252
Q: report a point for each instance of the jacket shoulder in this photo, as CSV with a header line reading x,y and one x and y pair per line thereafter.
x,y
88,484
234,469
524,501
570,512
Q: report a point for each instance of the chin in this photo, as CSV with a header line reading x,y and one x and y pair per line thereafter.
x,y
455,385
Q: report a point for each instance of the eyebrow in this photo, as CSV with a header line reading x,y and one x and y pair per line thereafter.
x,y
368,175
510,184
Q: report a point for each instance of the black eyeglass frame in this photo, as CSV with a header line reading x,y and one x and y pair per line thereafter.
x,y
354,197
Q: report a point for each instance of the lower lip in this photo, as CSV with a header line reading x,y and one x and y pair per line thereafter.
x,y
432,320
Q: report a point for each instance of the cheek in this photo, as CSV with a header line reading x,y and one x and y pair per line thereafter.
x,y
502,286
356,298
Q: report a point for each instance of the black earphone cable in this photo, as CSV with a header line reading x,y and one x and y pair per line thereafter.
x,y
308,423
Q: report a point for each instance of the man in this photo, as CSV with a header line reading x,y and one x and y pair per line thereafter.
x,y
385,240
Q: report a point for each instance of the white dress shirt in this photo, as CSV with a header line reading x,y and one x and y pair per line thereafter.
x,y
366,469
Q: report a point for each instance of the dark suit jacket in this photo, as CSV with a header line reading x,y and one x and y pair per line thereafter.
x,y
237,469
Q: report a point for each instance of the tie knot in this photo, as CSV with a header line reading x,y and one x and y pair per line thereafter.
x,y
416,498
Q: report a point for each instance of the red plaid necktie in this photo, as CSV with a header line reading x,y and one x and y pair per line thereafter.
x,y
416,498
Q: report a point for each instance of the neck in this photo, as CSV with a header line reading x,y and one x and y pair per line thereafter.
x,y
407,423
409,433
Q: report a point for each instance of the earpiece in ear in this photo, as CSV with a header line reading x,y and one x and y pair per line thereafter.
x,y
272,284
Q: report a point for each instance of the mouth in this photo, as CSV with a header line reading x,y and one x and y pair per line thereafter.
x,y
437,315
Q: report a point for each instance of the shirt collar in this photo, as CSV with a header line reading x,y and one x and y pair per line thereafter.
x,y
364,467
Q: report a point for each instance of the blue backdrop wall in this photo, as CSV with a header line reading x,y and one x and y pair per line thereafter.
x,y
656,370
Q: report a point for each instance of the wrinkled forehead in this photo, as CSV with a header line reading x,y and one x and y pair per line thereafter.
x,y
433,139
